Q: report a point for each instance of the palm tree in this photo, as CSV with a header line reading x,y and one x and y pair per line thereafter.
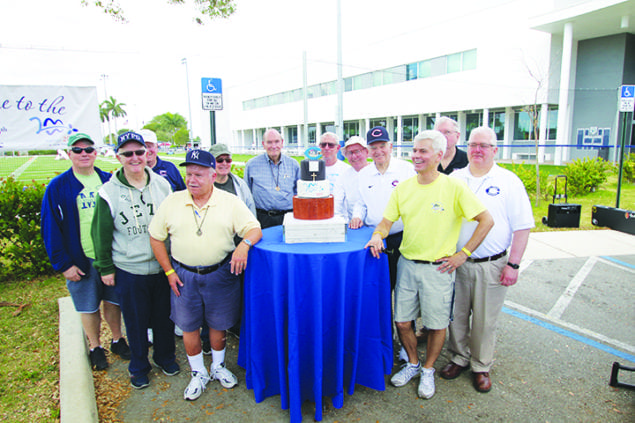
x,y
112,110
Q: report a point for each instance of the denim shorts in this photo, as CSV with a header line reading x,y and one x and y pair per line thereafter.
x,y
90,291
213,298
422,289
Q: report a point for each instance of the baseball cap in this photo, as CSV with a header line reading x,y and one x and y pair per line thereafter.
x,y
355,140
79,137
148,135
219,150
126,137
199,157
378,133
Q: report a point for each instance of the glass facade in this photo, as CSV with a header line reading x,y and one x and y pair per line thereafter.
x,y
351,128
472,120
497,123
410,128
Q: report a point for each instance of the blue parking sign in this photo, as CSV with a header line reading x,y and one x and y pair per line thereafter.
x,y
211,86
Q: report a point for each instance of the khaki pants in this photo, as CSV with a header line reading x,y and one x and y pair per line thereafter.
x,y
479,294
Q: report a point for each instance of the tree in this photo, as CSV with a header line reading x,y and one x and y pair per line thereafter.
x,y
167,125
111,109
207,9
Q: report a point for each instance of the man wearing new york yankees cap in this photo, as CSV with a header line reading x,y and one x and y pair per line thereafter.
x,y
204,265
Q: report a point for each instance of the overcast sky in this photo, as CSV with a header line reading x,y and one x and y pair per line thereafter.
x,y
60,42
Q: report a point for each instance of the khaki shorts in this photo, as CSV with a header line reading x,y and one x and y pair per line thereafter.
x,y
422,289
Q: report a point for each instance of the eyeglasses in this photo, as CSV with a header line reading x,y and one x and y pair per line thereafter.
x,y
474,146
128,154
446,133
359,151
224,160
327,144
78,150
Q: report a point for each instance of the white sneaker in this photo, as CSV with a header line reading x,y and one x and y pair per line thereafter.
x,y
224,376
150,336
408,371
196,386
426,384
178,331
403,355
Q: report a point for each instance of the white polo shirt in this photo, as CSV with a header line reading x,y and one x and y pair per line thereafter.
x,y
504,195
346,193
374,191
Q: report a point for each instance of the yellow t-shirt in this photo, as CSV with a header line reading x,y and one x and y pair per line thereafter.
x,y
86,208
219,219
432,215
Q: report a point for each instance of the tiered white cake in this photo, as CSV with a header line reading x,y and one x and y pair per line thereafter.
x,y
313,218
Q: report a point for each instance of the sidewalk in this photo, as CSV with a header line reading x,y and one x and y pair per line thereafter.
x,y
540,375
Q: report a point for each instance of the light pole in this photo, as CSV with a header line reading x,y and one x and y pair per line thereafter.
x,y
189,107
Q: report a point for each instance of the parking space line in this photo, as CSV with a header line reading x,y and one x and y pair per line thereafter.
x,y
564,300
613,261
541,319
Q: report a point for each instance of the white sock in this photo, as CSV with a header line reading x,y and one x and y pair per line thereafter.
x,y
218,357
196,363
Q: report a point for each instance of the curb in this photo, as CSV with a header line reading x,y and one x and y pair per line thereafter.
x,y
77,392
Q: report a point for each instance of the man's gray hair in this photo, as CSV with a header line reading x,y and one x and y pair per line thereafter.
x,y
439,143
330,135
444,119
486,131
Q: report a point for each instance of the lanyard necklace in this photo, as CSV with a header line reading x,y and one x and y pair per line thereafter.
x,y
278,177
199,232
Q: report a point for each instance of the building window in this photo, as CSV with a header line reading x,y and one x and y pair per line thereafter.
x,y
454,63
438,66
497,123
292,135
411,71
378,122
552,124
472,120
469,60
327,127
362,81
351,128
425,69
522,126
348,84
312,132
430,122
409,128
377,78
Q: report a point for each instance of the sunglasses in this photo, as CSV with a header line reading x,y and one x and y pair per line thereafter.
x,y
78,150
224,160
128,154
327,144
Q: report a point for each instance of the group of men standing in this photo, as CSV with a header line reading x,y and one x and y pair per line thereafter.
x,y
134,237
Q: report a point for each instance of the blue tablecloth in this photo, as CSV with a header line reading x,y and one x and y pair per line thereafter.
x,y
316,321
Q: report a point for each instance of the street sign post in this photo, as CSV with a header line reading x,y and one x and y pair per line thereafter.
x,y
212,93
626,107
627,98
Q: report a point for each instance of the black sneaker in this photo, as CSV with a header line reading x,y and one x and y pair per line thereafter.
x,y
121,348
139,382
98,359
207,347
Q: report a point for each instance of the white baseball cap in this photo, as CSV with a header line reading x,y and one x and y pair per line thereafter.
x,y
148,135
355,140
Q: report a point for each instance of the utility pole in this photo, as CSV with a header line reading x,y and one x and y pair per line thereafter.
x,y
189,107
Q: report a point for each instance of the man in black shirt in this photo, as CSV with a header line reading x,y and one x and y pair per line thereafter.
x,y
453,158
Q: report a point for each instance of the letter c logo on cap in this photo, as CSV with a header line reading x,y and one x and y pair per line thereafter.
x,y
376,133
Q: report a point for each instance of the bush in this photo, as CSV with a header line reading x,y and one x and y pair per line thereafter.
x,y
22,252
527,175
586,175
628,170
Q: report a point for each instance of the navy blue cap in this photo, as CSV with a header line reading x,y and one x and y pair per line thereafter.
x,y
378,133
199,157
127,137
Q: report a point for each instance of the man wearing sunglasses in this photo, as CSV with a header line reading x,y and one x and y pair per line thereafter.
x,y
161,167
482,281
67,212
226,180
330,145
125,206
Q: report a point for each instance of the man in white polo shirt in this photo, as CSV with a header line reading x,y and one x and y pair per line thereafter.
x,y
330,145
346,191
482,281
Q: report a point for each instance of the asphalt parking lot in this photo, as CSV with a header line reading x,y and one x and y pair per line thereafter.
x,y
564,324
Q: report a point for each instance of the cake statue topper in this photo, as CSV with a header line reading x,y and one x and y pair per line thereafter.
x,y
313,153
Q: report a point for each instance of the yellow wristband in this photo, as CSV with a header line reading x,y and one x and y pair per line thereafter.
x,y
466,251
169,272
380,234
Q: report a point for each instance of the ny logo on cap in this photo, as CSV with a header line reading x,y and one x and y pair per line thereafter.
x,y
195,155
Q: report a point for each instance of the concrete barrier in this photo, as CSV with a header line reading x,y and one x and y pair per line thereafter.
x,y
77,392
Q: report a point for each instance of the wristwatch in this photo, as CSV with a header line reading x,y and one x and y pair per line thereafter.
x,y
513,265
247,241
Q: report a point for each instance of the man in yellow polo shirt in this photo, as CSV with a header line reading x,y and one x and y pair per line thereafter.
x,y
432,207
205,267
